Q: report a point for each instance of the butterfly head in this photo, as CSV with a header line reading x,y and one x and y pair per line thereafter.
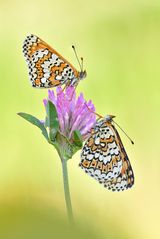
x,y
109,117
82,75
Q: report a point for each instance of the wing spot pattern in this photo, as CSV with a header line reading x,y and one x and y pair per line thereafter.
x,y
104,158
42,59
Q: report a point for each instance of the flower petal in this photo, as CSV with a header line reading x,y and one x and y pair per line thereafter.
x,y
73,114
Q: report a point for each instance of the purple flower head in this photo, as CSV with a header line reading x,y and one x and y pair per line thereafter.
x,y
73,114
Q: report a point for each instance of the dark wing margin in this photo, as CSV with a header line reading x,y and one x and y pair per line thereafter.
x,y
125,179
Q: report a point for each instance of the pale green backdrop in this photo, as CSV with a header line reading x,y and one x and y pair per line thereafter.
x,y
120,43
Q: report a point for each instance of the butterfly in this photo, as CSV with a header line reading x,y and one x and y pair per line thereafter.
x,y
104,158
47,68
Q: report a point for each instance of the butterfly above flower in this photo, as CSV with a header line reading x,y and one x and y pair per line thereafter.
x,y
47,68
104,158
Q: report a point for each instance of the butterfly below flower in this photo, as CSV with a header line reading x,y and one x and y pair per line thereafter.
x,y
104,158
47,68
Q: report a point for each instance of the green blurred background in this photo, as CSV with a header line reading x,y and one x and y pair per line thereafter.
x,y
120,43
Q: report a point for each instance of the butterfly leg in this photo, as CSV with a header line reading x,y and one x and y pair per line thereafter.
x,y
74,90
99,116
66,85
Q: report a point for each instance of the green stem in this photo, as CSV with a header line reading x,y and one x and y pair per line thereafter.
x,y
66,189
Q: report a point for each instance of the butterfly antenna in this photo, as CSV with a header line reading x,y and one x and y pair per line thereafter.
x,y
77,57
82,63
124,132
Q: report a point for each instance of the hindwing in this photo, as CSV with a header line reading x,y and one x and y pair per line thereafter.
x,y
47,68
104,158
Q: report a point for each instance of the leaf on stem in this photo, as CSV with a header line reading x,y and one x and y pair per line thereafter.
x,y
77,138
52,120
33,120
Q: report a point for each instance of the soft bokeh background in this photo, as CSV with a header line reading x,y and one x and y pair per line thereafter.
x,y
120,43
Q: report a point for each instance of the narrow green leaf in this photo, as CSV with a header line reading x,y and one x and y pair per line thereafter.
x,y
77,138
52,119
33,120
46,122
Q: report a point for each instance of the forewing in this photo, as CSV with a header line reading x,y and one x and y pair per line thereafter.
x,y
125,179
100,157
47,68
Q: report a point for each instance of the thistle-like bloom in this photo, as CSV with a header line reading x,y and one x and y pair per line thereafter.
x,y
73,113
67,124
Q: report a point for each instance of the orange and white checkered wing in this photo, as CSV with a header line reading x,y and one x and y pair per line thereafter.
x,y
125,179
47,68
103,157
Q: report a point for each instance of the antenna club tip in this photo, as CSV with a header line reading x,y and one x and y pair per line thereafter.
x,y
73,46
132,142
